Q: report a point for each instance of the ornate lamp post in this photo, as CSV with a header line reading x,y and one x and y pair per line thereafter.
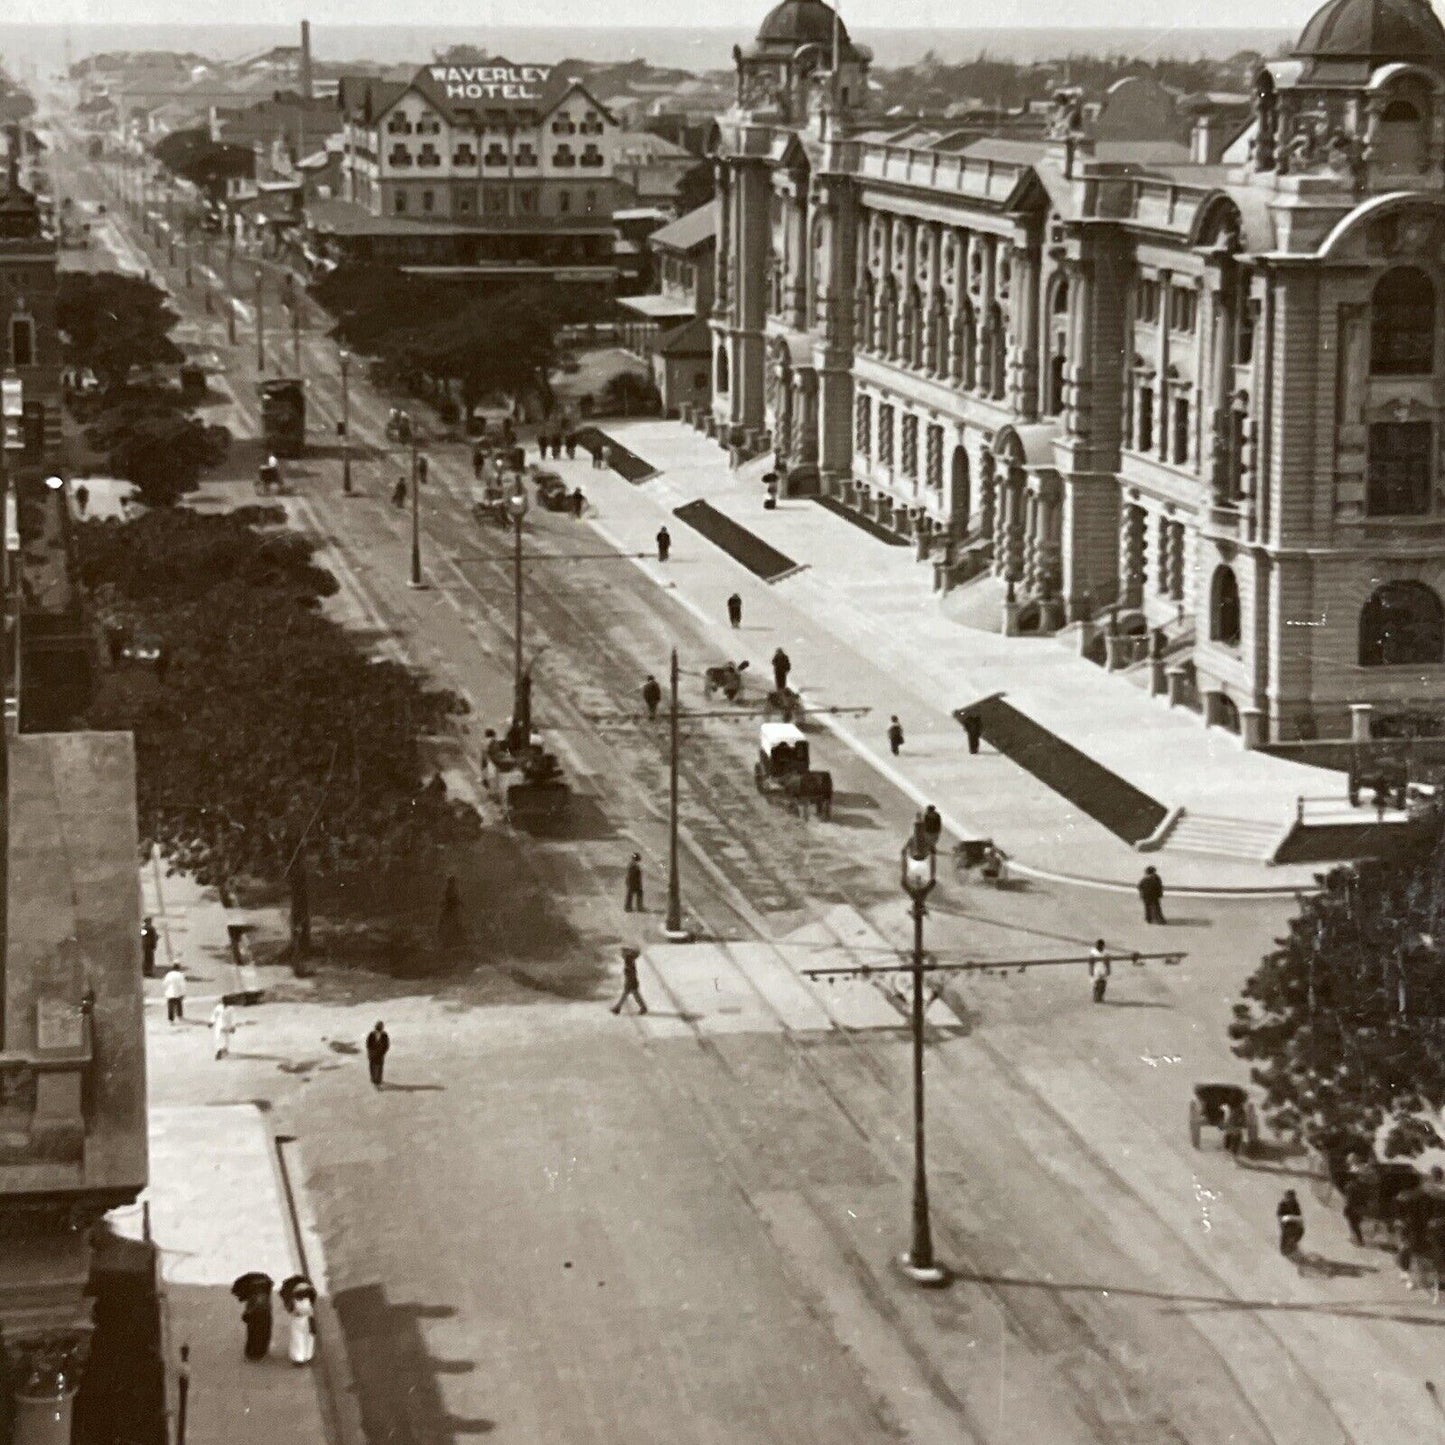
x,y
517,504
919,872
418,471
672,927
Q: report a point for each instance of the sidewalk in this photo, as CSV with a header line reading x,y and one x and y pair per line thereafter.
x,y
217,1211
862,624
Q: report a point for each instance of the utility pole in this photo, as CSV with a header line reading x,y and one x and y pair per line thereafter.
x,y
260,318
919,874
415,581
295,322
345,360
230,283
672,928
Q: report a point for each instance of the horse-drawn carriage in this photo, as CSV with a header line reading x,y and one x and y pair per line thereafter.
x,y
489,503
984,856
782,771
1228,1108
786,703
726,678
529,779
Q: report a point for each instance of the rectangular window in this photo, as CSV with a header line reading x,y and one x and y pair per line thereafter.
x,y
399,202
910,447
22,341
885,434
591,202
934,472
1146,302
1180,439
863,425
1183,306
428,200
496,155
399,156
526,156
494,200
564,202
1400,470
1146,419
591,156
527,200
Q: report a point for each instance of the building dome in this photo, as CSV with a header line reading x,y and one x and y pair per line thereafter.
x,y
1374,30
801,22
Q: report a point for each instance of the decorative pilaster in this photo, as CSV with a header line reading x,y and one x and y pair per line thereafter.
x,y
1131,555
46,1369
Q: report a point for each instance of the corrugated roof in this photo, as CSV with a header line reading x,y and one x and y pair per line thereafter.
x,y
694,229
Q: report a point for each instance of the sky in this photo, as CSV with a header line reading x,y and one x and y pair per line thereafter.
x,y
731,14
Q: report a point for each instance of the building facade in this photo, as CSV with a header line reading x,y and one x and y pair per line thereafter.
x,y
492,167
1203,393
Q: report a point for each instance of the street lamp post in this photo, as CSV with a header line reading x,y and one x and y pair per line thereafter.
x,y
517,510
345,359
415,581
672,928
919,867
260,318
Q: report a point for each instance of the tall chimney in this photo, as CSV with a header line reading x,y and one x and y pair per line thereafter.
x,y
305,60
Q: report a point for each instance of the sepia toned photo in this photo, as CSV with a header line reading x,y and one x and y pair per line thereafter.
x,y
722,728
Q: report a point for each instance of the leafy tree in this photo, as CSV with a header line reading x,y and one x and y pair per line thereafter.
x,y
276,750
113,323
158,447
696,188
206,164
1344,1022
497,344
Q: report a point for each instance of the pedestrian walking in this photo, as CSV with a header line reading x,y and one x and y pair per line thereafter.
x,y
378,1045
735,610
256,1316
664,543
634,885
630,988
782,666
1291,1224
1151,891
82,498
174,990
651,695
973,727
150,940
895,735
579,503
1359,1192
571,446
1099,969
398,493
223,1025
932,827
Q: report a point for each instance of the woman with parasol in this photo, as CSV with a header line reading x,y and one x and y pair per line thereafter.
x,y
253,1289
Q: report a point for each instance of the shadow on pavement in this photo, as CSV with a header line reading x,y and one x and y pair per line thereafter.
x,y
396,1379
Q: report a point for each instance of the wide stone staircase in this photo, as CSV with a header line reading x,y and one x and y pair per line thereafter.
x,y
1244,838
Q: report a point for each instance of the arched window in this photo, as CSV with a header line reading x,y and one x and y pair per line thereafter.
x,y
1399,142
1402,324
1224,607
722,370
960,503
1402,625
1145,440
1054,401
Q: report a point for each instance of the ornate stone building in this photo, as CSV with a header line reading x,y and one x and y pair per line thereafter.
x,y
1199,384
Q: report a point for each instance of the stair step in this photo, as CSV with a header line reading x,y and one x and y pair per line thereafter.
x,y
1226,837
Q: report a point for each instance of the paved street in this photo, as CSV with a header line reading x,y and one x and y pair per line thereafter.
x,y
556,1224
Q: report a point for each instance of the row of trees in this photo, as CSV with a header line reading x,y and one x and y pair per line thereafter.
x,y
118,328
274,751
425,333
1344,1022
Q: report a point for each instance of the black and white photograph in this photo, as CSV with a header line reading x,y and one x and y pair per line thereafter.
x,y
722,728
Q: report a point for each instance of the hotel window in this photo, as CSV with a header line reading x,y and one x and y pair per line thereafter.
x,y
399,202
494,200
563,156
1179,454
563,126
428,125
464,203
1183,308
1146,302
464,156
910,447
398,125
527,200
22,341
399,156
863,425
933,471
496,155
428,200
1144,442
526,155
591,156
589,202
564,202
885,434
428,156
592,123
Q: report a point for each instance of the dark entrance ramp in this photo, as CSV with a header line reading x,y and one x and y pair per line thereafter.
x,y
1073,775
866,524
740,544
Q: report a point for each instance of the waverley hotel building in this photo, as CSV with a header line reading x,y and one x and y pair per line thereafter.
x,y
1195,379
481,170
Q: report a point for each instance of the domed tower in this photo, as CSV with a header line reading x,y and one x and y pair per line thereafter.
x,y
1362,96
801,63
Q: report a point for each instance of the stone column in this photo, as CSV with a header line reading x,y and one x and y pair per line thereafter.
x,y
1024,382
1251,728
47,1370
1016,495
1162,398
1077,399
1360,714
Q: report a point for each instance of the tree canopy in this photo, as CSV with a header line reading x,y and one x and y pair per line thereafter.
x,y
1344,1022
112,323
206,164
275,749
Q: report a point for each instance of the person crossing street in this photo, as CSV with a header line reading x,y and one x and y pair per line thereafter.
x,y
782,666
735,610
1099,969
630,987
895,735
664,544
378,1045
1291,1224
634,885
651,695
1151,894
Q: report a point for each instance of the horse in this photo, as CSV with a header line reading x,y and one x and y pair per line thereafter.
x,y
726,679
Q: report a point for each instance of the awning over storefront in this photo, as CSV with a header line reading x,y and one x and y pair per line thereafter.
x,y
659,308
